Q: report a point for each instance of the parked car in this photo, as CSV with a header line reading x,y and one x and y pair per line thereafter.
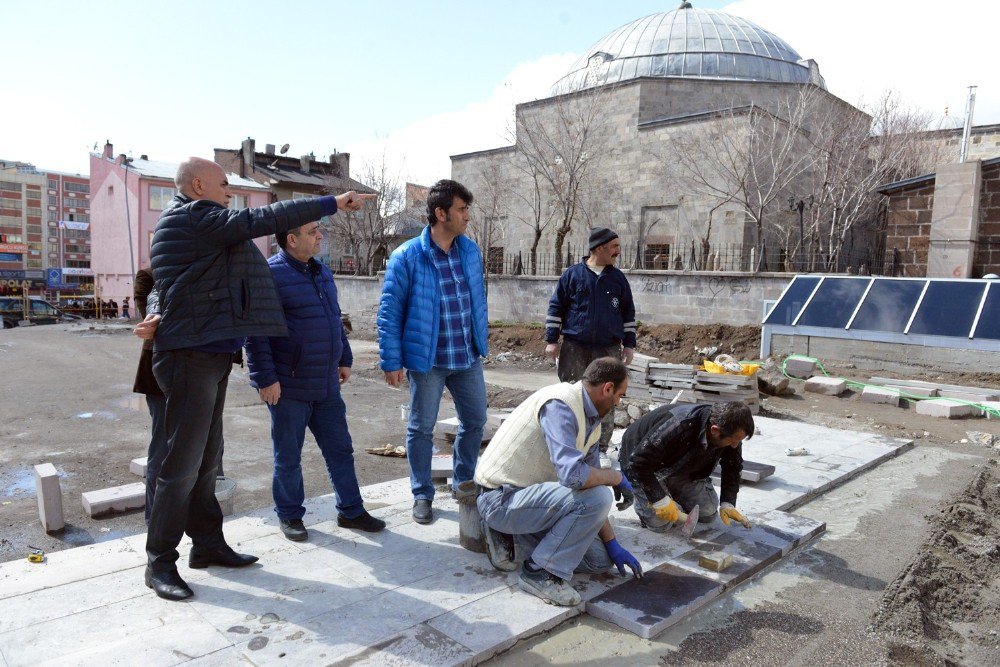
x,y
40,311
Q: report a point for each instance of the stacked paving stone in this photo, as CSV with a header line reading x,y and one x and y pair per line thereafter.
x,y
638,377
693,386
947,401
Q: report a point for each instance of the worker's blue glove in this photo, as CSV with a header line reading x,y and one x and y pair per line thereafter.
x,y
621,558
624,493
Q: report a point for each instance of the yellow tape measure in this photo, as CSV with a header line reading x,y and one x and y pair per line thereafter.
x,y
35,555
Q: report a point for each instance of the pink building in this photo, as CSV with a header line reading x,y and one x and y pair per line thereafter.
x,y
122,225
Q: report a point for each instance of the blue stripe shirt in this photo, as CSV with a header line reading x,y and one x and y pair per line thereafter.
x,y
454,347
560,428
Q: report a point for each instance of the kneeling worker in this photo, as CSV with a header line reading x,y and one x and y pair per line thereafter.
x,y
543,484
682,444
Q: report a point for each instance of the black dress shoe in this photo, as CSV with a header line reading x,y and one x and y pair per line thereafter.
x,y
364,521
224,557
294,530
422,512
168,585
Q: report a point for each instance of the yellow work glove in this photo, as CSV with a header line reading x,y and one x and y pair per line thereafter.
x,y
729,513
667,509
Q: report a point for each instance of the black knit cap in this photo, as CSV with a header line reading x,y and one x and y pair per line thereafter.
x,y
600,236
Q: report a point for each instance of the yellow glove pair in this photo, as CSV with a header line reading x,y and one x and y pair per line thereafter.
x,y
667,509
729,513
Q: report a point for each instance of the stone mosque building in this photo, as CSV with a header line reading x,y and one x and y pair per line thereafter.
x,y
652,80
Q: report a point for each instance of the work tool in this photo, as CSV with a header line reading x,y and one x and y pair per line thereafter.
x,y
35,555
690,521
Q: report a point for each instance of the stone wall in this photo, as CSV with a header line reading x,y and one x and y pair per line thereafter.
x,y
908,229
660,297
987,259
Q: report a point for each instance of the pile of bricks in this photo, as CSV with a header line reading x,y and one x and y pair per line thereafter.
x,y
662,383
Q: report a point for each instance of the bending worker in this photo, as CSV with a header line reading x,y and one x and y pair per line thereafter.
x,y
545,487
681,445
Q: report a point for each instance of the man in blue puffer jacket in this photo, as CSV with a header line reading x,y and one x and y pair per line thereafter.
x,y
432,322
299,377
214,290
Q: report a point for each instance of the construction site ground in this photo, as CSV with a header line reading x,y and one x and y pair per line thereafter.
x,y
907,572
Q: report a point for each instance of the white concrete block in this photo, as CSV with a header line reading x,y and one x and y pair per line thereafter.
x,y
880,395
800,368
114,499
138,466
919,392
945,408
49,494
990,405
970,396
441,467
824,385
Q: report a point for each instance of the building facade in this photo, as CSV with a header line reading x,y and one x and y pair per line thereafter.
x,y
127,198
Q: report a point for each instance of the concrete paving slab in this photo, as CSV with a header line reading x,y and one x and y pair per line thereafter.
x,y
828,386
420,645
49,495
63,567
496,622
650,605
880,395
989,405
114,499
946,408
748,558
138,466
442,466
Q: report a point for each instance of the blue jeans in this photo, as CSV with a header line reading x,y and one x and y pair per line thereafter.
x,y
468,390
555,525
327,420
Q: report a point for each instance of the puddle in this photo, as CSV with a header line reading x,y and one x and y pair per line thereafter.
x,y
100,414
23,483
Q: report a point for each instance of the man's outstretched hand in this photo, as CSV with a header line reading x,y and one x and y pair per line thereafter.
x,y
352,201
147,328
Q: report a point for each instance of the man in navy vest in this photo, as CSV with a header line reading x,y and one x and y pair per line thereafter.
x,y
299,377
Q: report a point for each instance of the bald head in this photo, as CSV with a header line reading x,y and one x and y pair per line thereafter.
x,y
198,178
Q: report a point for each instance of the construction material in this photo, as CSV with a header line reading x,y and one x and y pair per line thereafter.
x,y
827,386
946,408
49,495
138,466
799,367
690,521
984,392
442,467
880,395
114,499
35,555
672,383
752,472
717,561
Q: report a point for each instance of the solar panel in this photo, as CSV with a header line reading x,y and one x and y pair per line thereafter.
x,y
834,302
791,302
888,305
989,318
948,308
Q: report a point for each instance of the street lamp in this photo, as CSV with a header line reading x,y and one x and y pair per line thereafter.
x,y
800,206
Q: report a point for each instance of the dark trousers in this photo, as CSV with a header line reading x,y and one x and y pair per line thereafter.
x,y
184,500
573,361
157,406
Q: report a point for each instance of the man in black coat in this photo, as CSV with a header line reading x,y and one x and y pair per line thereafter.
x,y
668,456
214,290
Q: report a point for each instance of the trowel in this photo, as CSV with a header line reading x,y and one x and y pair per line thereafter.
x,y
690,521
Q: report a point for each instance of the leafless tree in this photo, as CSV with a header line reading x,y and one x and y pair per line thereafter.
x,y
562,146
368,232
487,224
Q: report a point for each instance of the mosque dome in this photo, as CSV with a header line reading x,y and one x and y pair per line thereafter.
x,y
947,122
692,43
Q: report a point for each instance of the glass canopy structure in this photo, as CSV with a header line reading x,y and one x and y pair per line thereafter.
x,y
963,314
687,42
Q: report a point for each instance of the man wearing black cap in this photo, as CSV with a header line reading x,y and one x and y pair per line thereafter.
x,y
593,310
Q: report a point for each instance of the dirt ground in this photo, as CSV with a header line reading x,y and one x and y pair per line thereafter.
x,y
894,581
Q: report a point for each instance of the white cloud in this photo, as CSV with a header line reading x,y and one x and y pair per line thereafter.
x,y
420,151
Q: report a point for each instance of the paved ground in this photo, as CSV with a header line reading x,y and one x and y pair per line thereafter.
x,y
814,608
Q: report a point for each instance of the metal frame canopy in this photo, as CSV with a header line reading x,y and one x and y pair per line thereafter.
x,y
934,312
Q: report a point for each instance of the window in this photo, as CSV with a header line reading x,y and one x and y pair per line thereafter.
x,y
76,203
656,256
53,184
494,260
159,197
10,187
77,264
10,204
77,187
238,202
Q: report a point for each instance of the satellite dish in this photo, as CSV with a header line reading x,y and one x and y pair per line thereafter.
x,y
284,149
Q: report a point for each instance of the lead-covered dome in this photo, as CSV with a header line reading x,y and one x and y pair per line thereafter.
x,y
689,42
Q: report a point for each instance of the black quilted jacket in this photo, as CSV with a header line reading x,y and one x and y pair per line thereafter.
x,y
213,283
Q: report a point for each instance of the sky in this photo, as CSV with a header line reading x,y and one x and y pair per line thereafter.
x,y
406,82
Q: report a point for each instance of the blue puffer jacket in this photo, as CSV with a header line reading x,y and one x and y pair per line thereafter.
x,y
305,361
409,313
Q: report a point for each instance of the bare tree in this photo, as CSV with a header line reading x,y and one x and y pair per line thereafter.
x,y
487,224
562,146
368,232
855,154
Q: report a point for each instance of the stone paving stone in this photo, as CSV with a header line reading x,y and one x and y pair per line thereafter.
x,y
946,408
785,525
800,368
225,657
650,605
919,392
992,405
496,622
442,467
762,533
417,646
146,629
49,495
138,466
749,558
880,395
18,577
827,386
116,498
836,463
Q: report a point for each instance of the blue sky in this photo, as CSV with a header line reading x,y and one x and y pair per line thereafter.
x,y
415,80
